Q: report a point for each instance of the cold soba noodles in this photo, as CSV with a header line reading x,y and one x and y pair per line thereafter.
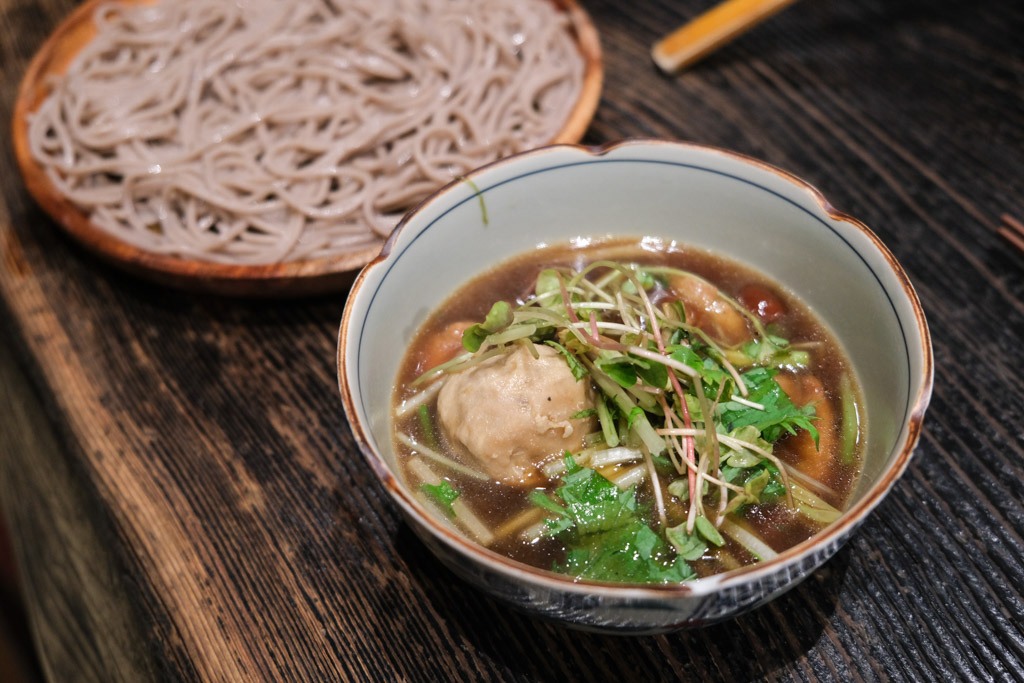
x,y
564,409
264,131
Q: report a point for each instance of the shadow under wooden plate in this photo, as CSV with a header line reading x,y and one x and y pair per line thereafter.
x,y
294,278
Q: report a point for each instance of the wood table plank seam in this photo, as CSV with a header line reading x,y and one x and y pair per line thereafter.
x,y
928,165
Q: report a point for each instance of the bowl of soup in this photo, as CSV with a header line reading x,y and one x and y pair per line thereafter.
x,y
634,388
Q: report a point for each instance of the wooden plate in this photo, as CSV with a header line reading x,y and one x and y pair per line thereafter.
x,y
280,279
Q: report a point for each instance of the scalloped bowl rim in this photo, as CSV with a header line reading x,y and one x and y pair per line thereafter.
x,y
835,533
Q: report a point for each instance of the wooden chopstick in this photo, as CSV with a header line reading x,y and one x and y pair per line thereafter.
x,y
710,30
1012,230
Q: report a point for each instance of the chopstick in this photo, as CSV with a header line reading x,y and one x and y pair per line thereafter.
x,y
1012,230
710,30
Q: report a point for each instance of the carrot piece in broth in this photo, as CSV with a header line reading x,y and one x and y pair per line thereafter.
x,y
443,346
804,389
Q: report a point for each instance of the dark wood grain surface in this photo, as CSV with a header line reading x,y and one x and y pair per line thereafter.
x,y
186,503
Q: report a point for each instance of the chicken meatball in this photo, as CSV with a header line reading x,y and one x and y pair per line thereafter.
x,y
513,412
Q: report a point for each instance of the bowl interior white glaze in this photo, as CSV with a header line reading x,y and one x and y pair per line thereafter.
x,y
707,198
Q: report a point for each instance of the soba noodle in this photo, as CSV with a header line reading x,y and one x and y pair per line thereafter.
x,y
262,131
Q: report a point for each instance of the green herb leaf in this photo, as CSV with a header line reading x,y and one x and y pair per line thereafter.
x,y
619,368
773,490
738,501
561,522
498,319
606,417
427,426
637,412
730,473
548,283
710,371
779,415
745,457
663,463
443,494
706,529
688,546
680,488
606,535
762,486
755,485
674,310
647,281
473,338
652,374
772,351
686,356
646,542
577,369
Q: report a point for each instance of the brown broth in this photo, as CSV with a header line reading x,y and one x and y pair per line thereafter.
x,y
496,503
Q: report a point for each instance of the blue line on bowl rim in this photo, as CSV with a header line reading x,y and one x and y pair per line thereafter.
x,y
395,257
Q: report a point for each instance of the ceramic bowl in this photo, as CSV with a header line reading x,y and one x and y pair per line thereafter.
x,y
704,197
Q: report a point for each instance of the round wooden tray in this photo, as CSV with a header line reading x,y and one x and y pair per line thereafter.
x,y
292,278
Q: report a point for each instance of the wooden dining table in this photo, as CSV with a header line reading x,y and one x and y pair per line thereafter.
x,y
185,500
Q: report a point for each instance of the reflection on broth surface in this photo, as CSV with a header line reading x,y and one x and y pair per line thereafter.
x,y
560,409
